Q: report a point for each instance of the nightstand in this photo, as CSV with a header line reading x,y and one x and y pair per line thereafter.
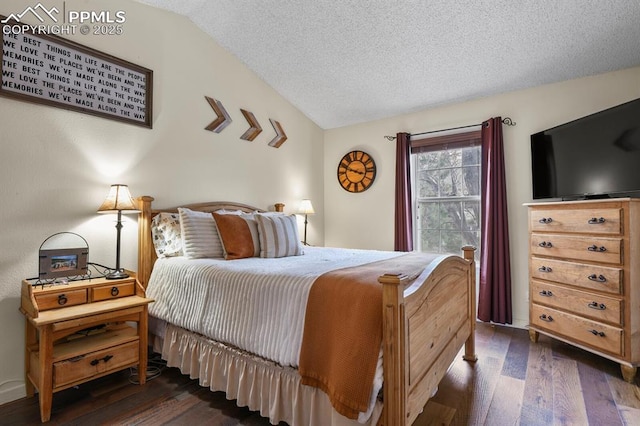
x,y
80,331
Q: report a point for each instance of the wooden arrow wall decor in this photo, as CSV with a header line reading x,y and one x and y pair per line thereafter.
x,y
222,120
254,129
280,134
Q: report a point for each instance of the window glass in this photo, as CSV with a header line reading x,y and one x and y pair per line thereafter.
x,y
447,199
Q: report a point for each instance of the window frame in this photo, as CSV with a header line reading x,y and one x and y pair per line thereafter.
x,y
439,143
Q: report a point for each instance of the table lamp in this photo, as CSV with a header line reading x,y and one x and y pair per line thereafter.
x,y
306,208
118,200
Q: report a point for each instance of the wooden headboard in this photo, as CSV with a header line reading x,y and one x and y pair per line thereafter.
x,y
146,251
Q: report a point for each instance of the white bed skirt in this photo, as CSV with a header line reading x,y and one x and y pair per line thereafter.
x,y
271,389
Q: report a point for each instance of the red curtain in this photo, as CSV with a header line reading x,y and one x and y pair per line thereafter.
x,y
403,214
494,297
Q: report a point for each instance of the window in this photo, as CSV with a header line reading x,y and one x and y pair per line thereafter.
x,y
446,184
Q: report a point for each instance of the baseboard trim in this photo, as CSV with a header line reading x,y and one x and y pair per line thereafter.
x,y
12,390
516,324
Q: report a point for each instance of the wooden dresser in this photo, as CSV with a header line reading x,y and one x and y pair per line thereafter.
x,y
584,266
82,330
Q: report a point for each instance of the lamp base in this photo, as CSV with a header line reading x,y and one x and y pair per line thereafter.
x,y
117,275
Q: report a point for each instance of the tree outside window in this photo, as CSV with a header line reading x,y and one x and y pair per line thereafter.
x,y
447,199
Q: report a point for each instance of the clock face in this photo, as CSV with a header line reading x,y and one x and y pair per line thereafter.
x,y
356,171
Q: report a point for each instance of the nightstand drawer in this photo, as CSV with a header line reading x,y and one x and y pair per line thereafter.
x,y
594,306
61,299
577,329
584,275
86,366
116,290
586,221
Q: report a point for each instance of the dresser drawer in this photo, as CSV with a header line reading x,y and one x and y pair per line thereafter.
x,y
113,291
94,363
597,307
600,278
593,249
588,221
577,329
60,299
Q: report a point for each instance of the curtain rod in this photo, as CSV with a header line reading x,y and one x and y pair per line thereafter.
x,y
507,121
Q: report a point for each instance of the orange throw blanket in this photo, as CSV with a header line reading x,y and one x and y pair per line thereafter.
x,y
343,330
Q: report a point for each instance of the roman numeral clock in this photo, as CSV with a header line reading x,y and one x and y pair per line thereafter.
x,y
356,171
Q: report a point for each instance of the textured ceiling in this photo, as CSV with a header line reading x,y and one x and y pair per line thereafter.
x,y
343,62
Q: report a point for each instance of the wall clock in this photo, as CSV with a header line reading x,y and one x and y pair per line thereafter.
x,y
356,171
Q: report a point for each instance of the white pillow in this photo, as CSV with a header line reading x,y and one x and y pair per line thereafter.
x,y
233,212
166,234
199,235
278,235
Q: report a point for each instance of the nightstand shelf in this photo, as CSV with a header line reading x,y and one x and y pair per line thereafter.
x,y
81,331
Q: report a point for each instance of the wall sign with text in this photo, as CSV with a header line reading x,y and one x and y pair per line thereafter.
x,y
50,70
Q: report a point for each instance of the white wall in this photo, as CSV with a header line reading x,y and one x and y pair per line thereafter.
x,y
366,220
56,166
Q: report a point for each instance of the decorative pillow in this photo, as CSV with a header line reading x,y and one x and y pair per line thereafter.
x,y
199,234
278,235
234,212
166,234
239,235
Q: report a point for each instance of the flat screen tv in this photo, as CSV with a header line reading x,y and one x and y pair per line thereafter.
x,y
597,156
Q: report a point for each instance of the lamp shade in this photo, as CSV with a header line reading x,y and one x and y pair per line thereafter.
x,y
119,199
306,207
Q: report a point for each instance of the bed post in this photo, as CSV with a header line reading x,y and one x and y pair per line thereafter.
x,y
145,243
470,345
395,354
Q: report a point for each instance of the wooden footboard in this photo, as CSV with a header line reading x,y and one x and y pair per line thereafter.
x,y
425,326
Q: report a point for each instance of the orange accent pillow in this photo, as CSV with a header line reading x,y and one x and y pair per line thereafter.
x,y
239,236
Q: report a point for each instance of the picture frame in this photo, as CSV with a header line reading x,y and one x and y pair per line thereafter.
x,y
59,263
50,70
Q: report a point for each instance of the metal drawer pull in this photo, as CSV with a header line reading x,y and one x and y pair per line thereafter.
x,y
546,220
597,278
596,248
105,359
596,305
595,221
545,269
546,293
115,291
62,299
546,244
545,317
597,333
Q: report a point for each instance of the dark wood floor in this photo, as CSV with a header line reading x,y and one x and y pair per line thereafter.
x,y
514,382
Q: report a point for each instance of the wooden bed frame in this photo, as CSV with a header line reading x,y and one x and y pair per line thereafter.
x,y
425,324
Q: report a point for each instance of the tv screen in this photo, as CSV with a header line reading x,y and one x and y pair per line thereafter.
x,y
596,156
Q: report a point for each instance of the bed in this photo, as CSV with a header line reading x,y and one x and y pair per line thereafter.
x,y
426,318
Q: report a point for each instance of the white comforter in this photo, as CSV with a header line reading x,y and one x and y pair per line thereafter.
x,y
254,304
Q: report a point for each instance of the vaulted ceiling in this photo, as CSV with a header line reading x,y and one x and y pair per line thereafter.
x,y
343,62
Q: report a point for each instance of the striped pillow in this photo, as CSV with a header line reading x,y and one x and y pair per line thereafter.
x,y
200,237
278,235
